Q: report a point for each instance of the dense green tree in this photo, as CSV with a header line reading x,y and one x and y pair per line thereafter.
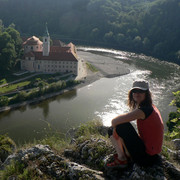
x,y
3,101
116,23
10,48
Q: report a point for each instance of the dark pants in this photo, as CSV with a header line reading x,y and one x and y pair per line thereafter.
x,y
134,144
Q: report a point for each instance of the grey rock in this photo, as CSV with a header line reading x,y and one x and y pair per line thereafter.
x,y
178,155
28,154
171,152
176,143
68,152
77,171
171,169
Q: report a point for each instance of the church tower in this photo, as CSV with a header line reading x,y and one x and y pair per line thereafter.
x,y
46,42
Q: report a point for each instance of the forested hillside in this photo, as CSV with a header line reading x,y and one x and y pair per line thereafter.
x,y
143,26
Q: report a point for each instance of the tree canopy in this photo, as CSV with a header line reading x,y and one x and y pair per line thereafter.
x,y
10,48
143,26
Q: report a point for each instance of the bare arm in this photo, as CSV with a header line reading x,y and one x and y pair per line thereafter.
x,y
131,116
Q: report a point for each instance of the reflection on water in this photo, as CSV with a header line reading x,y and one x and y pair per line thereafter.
x,y
45,104
163,77
103,99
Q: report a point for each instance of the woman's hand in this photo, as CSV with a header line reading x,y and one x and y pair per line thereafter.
x,y
131,116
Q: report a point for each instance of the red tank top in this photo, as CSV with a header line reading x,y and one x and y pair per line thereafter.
x,y
151,131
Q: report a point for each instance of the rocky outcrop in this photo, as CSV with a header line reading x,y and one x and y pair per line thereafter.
x,y
44,162
86,159
91,152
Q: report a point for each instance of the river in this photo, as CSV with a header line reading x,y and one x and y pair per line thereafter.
x,y
103,99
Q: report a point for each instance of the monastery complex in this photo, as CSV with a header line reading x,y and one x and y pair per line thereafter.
x,y
42,57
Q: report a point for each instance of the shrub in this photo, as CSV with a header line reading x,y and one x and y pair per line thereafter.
x,y
7,146
3,101
21,96
174,118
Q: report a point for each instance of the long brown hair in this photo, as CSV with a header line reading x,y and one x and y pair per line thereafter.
x,y
147,102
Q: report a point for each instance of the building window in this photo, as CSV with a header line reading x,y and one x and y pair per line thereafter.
x,y
31,47
29,58
45,40
38,66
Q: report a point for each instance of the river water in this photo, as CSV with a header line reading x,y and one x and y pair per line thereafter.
x,y
103,99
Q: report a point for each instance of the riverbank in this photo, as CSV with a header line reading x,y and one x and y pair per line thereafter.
x,y
107,68
36,100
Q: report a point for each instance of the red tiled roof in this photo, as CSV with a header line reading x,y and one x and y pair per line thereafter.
x,y
33,41
29,54
59,49
54,56
58,43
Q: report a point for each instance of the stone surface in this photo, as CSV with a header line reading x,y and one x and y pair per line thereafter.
x,y
134,171
87,160
176,143
170,170
174,154
77,171
91,152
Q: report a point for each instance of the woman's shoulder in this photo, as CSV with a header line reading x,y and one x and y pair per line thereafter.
x,y
147,110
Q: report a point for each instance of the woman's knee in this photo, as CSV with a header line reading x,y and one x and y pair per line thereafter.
x,y
124,128
124,125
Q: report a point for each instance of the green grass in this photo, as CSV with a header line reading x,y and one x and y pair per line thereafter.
x,y
91,67
10,77
3,81
18,171
26,82
13,86
65,77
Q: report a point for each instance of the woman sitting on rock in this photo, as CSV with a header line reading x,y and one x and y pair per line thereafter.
x,y
142,147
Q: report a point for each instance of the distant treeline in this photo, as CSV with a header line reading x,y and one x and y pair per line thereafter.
x,y
143,26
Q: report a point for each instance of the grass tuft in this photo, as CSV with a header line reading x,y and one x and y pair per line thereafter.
x,y
91,67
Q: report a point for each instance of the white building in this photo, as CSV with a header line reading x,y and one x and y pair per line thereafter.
x,y
41,57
